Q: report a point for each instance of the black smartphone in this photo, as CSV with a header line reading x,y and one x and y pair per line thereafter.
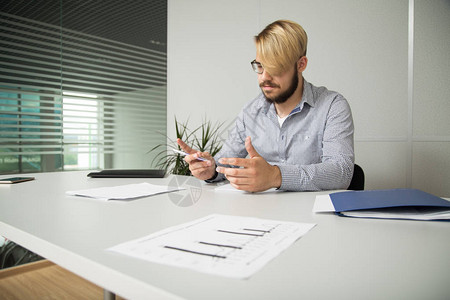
x,y
16,179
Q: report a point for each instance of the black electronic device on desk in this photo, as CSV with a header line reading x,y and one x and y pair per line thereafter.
x,y
128,173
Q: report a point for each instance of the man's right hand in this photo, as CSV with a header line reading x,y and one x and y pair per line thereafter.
x,y
203,170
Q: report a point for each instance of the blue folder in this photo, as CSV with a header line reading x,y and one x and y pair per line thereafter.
x,y
393,204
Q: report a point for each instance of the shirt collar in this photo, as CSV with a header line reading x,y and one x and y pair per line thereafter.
x,y
307,98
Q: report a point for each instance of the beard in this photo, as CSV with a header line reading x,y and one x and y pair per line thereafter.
x,y
283,96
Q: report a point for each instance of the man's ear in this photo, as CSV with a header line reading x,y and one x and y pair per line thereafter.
x,y
302,63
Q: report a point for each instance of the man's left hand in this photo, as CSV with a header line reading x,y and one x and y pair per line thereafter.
x,y
255,174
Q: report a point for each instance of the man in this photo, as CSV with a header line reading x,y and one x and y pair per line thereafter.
x,y
293,136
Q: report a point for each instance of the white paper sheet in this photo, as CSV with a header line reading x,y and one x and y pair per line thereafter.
x,y
230,246
323,204
124,192
411,213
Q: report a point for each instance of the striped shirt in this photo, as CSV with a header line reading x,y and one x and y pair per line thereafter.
x,y
314,146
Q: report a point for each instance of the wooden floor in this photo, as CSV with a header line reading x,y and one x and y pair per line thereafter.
x,y
45,280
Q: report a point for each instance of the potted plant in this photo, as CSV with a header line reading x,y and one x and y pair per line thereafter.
x,y
204,138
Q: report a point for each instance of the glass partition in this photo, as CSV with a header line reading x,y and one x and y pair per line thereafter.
x,y
82,84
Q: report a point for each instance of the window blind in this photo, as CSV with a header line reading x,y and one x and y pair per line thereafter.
x,y
64,93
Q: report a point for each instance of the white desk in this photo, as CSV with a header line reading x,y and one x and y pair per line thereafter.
x,y
341,258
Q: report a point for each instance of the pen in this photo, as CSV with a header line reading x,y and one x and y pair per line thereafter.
x,y
199,158
184,154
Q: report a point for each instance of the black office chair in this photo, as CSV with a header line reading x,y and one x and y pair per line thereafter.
x,y
357,183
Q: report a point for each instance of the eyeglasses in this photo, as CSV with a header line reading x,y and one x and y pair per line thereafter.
x,y
257,66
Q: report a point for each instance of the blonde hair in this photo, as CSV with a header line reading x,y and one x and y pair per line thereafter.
x,y
280,45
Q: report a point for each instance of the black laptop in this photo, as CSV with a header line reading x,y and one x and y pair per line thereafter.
x,y
128,173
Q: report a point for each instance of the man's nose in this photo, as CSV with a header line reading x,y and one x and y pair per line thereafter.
x,y
264,76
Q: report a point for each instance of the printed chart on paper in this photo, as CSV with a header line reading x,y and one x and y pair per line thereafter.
x,y
230,246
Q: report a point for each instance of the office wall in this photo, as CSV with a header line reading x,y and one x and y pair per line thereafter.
x,y
359,48
209,52
431,97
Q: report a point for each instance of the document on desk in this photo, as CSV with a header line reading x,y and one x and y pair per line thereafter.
x,y
124,192
230,246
